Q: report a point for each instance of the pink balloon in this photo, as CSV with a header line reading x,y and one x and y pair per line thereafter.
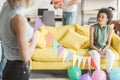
x,y
85,77
98,75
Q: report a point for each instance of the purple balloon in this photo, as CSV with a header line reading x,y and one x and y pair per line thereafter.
x,y
85,77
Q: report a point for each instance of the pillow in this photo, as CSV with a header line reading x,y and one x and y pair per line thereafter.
x,y
59,31
43,30
115,42
72,40
41,42
86,45
82,30
112,25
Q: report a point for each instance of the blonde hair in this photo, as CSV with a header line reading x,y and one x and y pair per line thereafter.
x,y
24,3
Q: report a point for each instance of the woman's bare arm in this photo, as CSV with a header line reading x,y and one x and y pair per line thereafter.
x,y
18,27
109,39
92,39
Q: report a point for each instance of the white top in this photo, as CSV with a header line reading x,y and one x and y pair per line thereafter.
x,y
10,44
70,8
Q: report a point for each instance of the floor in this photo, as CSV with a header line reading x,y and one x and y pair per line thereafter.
x,y
49,75
51,79
52,74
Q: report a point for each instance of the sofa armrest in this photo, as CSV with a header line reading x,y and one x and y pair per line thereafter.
x,y
116,42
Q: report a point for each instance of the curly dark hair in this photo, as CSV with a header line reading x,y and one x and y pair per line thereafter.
x,y
108,12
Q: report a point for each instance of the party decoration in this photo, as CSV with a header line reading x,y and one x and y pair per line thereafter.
x,y
74,59
55,45
98,75
74,73
69,56
89,62
60,49
92,63
38,24
65,53
79,61
84,61
49,39
115,74
85,77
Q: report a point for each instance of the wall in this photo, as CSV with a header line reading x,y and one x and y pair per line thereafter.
x,y
89,4
98,4
43,4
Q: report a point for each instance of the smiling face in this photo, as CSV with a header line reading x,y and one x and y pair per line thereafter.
x,y
102,19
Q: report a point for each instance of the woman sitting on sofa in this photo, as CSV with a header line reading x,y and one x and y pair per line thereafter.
x,y
100,39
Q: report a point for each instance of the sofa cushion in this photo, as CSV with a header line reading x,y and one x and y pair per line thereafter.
x,y
117,56
41,42
86,45
43,30
84,52
116,42
72,40
82,30
57,32
46,55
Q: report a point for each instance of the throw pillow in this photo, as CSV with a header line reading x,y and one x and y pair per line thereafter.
x,y
86,45
41,42
72,40
59,31
82,30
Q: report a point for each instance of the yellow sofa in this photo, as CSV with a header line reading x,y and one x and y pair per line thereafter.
x,y
74,38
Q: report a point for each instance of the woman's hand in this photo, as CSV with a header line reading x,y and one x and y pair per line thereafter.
x,y
101,52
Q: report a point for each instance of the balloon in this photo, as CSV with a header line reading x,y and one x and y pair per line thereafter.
x,y
57,1
98,75
85,77
115,74
74,73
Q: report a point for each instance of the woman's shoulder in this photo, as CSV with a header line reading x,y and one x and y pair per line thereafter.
x,y
18,22
19,18
94,25
108,26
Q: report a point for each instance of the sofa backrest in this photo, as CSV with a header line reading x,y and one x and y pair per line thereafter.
x,y
59,32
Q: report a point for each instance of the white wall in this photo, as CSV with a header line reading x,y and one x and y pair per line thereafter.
x,y
1,3
89,4
43,4
96,4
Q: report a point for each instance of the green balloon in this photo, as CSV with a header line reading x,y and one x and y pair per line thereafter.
x,y
74,73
